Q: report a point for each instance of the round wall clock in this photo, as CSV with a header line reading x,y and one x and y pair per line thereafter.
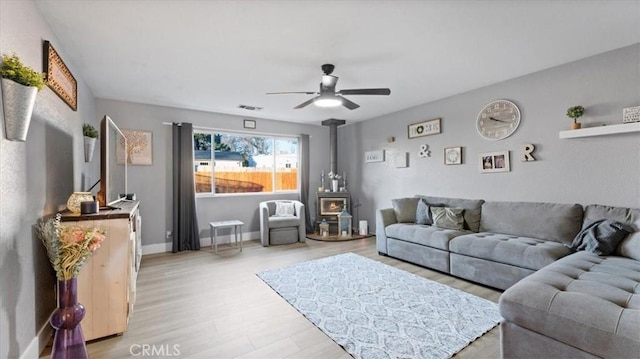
x,y
498,119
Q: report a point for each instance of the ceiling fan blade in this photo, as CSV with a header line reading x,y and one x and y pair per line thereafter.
x,y
304,104
365,92
349,104
293,92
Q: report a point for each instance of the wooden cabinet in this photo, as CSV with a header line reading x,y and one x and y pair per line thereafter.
x,y
107,282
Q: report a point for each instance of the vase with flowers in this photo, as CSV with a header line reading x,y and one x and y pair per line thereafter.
x,y
335,180
68,248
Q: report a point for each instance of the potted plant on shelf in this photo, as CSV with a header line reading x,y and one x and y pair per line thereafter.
x,y
90,137
20,84
575,113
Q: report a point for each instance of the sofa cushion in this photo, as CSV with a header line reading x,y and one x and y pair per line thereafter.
x,y
405,209
589,302
445,217
472,208
594,212
282,222
425,235
550,221
524,252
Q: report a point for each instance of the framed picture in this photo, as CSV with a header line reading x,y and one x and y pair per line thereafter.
x,y
250,124
139,149
494,162
401,159
425,128
374,156
59,78
453,156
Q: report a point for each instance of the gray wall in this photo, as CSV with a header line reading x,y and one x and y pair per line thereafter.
x,y
603,170
152,184
36,178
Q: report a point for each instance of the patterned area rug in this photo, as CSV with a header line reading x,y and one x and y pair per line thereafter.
x,y
376,311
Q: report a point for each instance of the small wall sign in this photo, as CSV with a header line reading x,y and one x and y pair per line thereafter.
x,y
431,127
631,114
374,156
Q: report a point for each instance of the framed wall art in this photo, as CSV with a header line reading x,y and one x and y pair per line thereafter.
x,y
139,148
425,128
453,156
250,124
58,76
494,162
374,156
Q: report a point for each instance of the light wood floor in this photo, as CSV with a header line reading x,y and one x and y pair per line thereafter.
x,y
214,306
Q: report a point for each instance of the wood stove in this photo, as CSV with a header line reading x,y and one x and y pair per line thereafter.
x,y
329,205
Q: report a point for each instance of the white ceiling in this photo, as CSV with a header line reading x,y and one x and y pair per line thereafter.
x,y
215,55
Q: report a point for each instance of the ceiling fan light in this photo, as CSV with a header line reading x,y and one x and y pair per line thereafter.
x,y
327,101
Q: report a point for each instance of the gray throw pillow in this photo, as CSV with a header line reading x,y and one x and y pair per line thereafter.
x,y
601,237
445,217
423,214
630,246
405,209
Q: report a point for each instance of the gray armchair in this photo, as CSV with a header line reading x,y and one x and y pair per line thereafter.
x,y
281,229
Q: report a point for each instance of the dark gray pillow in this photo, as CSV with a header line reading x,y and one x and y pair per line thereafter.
x,y
423,214
601,237
405,209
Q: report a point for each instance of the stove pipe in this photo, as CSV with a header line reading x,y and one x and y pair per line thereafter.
x,y
333,142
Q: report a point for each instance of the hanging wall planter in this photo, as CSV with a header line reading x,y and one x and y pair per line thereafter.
x,y
18,101
90,137
89,146
20,84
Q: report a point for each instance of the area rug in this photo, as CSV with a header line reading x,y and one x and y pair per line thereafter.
x,y
376,311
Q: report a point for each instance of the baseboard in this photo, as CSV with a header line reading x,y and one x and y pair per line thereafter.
x,y
38,343
204,242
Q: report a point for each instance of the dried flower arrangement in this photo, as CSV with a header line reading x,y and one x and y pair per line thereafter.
x,y
68,247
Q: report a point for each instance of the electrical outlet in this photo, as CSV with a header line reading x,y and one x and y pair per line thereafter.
x,y
168,234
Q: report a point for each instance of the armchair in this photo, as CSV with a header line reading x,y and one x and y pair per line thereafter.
x,y
279,229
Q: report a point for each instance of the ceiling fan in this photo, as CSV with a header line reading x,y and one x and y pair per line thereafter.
x,y
329,97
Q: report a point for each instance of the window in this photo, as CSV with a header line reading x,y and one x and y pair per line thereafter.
x,y
242,163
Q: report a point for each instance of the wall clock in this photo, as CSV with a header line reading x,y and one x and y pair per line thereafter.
x,y
498,120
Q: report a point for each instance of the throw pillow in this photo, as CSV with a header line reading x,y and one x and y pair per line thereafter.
x,y
285,209
405,209
630,246
423,214
446,217
601,237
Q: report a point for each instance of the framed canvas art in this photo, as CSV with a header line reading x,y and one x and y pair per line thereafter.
x,y
139,148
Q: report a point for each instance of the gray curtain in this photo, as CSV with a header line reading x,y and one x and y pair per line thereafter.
x,y
304,180
185,221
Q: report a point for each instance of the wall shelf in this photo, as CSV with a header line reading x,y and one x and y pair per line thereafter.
x,y
601,130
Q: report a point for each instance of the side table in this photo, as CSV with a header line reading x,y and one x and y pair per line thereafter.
x,y
214,226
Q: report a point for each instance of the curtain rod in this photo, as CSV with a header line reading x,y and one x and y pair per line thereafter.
x,y
235,131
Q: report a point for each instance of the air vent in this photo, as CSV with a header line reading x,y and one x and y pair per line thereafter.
x,y
250,108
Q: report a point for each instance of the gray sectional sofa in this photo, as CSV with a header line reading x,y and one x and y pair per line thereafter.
x,y
557,303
